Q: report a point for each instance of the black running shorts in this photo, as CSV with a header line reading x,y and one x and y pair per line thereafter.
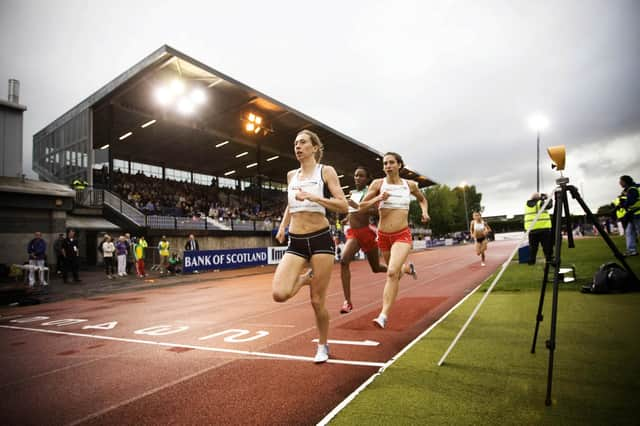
x,y
306,245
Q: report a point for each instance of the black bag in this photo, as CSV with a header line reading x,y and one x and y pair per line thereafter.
x,y
610,278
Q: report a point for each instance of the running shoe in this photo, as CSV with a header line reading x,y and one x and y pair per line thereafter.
x,y
412,271
483,264
380,321
322,355
346,307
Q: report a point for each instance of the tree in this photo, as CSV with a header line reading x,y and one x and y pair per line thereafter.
x,y
446,208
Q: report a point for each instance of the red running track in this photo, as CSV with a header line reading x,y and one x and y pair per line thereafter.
x,y
216,351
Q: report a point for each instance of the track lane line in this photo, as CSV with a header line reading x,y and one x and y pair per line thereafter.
x,y
197,347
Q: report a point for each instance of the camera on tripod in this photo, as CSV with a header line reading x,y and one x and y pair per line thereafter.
x,y
561,211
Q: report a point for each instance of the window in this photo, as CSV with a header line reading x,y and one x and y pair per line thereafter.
x,y
179,175
121,165
201,179
146,169
227,183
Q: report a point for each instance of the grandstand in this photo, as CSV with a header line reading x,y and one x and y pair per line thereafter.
x,y
172,144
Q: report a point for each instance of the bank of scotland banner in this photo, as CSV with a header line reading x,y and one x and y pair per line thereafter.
x,y
224,259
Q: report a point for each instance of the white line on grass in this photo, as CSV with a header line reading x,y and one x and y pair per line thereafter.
x,y
203,348
387,364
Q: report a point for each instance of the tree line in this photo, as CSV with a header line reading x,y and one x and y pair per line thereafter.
x,y
447,208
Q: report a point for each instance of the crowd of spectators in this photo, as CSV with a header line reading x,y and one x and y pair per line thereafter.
x,y
155,196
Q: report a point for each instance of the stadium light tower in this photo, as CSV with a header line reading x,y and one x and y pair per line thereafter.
x,y
538,123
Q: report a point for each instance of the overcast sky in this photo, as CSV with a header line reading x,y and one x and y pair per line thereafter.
x,y
447,84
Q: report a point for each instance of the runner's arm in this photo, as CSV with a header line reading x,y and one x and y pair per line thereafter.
x,y
422,200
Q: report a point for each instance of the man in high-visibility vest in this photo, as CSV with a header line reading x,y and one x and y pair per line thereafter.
x,y
630,202
79,184
541,231
163,249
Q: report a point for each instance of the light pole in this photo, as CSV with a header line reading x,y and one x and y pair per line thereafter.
x,y
538,123
463,184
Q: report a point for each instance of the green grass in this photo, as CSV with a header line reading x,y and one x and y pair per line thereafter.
x,y
492,378
587,256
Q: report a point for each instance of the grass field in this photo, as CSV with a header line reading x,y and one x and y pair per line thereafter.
x,y
492,378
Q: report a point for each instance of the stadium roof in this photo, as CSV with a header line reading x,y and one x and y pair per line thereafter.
x,y
195,141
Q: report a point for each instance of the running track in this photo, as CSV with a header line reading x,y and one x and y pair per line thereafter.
x,y
215,352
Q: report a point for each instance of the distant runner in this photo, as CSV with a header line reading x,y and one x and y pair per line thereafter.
x,y
479,230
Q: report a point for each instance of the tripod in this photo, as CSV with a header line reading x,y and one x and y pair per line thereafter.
x,y
562,208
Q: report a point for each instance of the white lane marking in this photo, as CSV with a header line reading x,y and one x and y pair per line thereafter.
x,y
236,333
202,348
270,325
360,388
351,342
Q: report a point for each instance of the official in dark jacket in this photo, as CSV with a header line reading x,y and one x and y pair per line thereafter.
x,y
71,253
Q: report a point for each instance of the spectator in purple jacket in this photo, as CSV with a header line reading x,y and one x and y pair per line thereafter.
x,y
37,250
121,253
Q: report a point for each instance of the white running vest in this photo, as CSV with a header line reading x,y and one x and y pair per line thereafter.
x,y
399,195
357,196
313,185
478,227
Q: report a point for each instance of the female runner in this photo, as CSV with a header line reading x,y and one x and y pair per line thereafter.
x,y
313,188
479,230
394,237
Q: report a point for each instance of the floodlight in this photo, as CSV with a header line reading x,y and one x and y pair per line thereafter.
x,y
177,86
185,106
198,96
538,123
558,156
250,127
163,96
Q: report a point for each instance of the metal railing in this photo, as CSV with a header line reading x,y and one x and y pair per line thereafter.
x,y
124,208
92,197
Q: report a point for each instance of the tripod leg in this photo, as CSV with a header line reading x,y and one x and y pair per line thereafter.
x,y
551,343
576,195
539,316
557,211
567,216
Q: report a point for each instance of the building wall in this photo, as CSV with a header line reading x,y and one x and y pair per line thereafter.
x,y
10,141
18,226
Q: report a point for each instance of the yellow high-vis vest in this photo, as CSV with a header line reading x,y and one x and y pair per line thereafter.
x,y
544,221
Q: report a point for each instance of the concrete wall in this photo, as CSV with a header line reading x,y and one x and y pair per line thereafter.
x,y
17,228
10,141
216,243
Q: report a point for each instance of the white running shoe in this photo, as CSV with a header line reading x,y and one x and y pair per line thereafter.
x,y
380,321
322,355
483,264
